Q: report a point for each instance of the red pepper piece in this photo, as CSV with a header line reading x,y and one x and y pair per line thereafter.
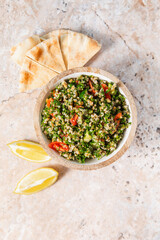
x,y
59,146
91,86
117,119
107,95
49,101
118,116
79,106
74,120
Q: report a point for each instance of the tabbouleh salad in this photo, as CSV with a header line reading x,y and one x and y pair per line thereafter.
x,y
85,117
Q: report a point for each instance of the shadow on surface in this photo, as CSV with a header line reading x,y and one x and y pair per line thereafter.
x,y
61,169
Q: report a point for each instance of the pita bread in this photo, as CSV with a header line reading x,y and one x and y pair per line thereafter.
x,y
48,54
33,75
62,34
63,40
18,52
55,33
81,49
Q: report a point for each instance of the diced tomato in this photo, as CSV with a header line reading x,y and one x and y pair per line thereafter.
x,y
51,145
52,115
75,117
107,95
118,116
104,86
59,146
49,101
77,81
74,120
91,86
117,119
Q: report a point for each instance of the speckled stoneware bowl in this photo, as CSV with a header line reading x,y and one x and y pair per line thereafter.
x,y
93,163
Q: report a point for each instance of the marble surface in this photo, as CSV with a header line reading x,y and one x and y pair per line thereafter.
x,y
121,201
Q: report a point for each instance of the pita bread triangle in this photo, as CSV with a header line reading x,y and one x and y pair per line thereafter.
x,y
54,33
63,40
81,49
18,52
48,54
34,75
62,35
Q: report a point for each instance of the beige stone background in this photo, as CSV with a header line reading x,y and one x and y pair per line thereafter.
x,y
121,201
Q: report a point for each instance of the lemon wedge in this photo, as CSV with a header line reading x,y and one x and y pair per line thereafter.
x,y
36,180
29,151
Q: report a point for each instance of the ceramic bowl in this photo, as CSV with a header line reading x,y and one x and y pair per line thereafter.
x,y
93,163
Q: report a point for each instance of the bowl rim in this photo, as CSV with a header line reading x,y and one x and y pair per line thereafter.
x,y
38,107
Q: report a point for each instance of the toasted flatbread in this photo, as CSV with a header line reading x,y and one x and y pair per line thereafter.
x,y
62,34
63,40
54,33
81,49
34,75
18,52
48,54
